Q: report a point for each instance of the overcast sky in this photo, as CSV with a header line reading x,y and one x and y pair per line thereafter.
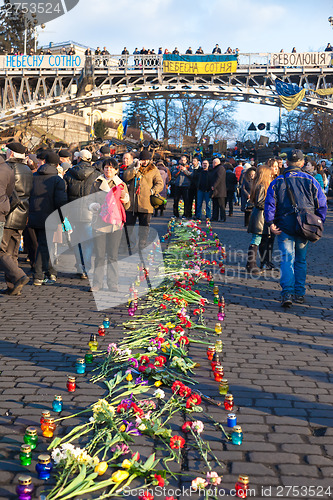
x,y
250,25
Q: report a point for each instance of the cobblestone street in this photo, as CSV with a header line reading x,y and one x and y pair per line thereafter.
x,y
278,364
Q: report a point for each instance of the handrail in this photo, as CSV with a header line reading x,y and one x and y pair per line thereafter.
x,y
121,63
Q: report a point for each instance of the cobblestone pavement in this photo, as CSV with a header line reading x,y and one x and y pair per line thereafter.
x,y
278,364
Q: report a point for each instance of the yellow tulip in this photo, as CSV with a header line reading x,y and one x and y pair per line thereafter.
x,y
122,428
119,475
157,383
126,464
101,468
129,377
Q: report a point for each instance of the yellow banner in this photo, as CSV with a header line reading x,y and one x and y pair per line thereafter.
x,y
200,68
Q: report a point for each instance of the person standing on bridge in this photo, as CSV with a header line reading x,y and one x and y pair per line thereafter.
x,y
216,49
281,217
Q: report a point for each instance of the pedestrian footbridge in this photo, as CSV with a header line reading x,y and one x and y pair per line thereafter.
x,y
33,85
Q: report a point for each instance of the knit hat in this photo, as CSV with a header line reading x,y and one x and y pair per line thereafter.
x,y
105,150
52,158
16,147
295,155
145,155
64,153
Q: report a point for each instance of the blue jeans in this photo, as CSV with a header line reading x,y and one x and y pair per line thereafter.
x,y
201,197
293,264
2,227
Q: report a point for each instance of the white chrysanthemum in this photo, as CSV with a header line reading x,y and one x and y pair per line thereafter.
x,y
159,394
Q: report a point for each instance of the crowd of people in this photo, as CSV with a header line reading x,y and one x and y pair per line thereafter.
x,y
32,186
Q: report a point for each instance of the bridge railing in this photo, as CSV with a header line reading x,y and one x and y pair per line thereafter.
x,y
154,62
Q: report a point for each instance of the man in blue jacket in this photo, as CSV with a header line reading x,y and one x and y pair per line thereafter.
x,y
281,218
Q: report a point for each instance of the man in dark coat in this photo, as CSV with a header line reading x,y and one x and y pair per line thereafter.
x,y
219,191
79,181
47,195
16,220
7,184
231,185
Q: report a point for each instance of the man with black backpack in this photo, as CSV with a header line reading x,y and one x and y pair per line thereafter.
x,y
295,209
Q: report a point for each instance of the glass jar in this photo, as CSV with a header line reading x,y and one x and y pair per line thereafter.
x,y
210,352
231,420
106,322
57,404
25,454
218,373
71,385
218,346
45,414
216,290
80,366
44,467
242,486
93,344
89,357
224,387
218,328
48,427
215,360
216,299
30,437
229,402
24,489
237,435
101,330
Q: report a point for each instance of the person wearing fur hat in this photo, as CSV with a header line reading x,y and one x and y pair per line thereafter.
x,y
16,221
143,180
108,206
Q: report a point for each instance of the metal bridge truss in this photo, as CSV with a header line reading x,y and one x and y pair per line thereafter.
x,y
26,94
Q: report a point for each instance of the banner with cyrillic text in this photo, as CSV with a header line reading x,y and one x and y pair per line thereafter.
x,y
302,59
55,61
199,64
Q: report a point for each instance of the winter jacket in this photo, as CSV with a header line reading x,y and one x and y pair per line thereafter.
x,y
238,171
79,181
99,190
308,196
182,179
165,178
7,183
257,219
245,192
219,182
141,184
230,180
205,180
48,193
320,180
17,219
98,165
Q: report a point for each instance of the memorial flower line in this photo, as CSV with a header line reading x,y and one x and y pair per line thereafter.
x,y
150,379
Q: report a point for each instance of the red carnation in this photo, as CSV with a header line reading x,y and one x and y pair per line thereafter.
x,y
146,496
177,442
144,360
176,386
193,400
121,407
151,366
137,410
160,361
186,427
142,369
159,479
184,391
183,340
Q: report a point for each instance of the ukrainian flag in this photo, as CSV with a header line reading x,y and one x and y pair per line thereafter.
x,y
120,131
290,94
141,135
